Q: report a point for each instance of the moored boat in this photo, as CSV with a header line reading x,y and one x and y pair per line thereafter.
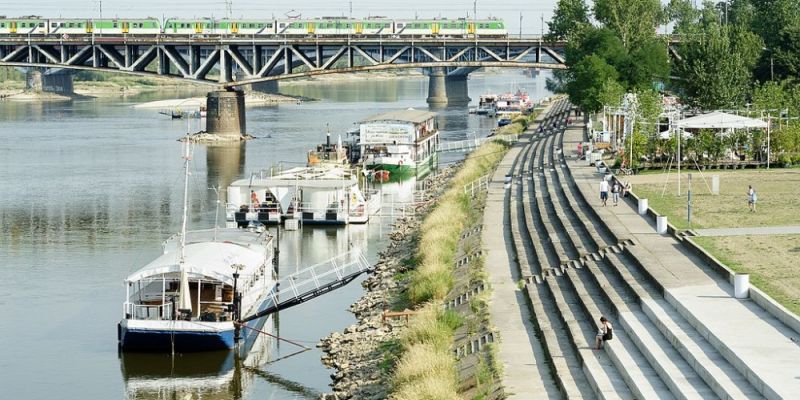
x,y
188,299
312,195
402,142
327,154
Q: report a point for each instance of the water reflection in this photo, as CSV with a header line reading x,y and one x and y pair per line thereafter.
x,y
388,90
224,164
219,375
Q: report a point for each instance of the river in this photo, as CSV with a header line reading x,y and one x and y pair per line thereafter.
x,y
90,188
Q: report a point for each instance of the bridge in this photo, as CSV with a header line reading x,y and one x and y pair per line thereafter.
x,y
227,63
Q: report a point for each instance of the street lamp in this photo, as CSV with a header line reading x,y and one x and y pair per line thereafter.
x,y
771,63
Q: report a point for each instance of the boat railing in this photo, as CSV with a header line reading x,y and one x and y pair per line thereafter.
x,y
147,311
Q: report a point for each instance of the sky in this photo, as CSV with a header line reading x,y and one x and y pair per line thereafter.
x,y
508,10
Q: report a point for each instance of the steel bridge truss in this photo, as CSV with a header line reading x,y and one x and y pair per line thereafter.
x,y
231,62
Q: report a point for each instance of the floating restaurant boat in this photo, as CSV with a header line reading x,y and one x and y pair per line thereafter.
x,y
312,195
513,103
187,299
401,142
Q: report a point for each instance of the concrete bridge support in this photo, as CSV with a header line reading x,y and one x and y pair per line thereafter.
x,y
457,90
60,82
437,88
226,114
447,90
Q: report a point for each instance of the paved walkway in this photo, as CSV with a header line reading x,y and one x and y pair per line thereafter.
x,y
526,374
761,230
758,341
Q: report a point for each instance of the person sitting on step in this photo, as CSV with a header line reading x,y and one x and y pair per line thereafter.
x,y
604,334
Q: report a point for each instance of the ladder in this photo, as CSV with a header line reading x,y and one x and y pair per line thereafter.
x,y
314,281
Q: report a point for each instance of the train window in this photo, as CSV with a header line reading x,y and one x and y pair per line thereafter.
x,y
114,25
41,24
399,25
71,25
52,25
281,25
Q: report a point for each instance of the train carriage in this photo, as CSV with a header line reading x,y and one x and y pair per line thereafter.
x,y
218,27
23,26
149,26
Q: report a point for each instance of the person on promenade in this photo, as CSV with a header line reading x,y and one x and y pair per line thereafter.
x,y
751,198
615,192
604,334
626,187
604,191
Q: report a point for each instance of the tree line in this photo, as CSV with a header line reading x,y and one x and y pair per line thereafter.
x,y
732,54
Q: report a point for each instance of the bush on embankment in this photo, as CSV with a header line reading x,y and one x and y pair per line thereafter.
x,y
426,368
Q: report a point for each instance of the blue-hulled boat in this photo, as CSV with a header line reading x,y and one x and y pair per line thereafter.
x,y
189,298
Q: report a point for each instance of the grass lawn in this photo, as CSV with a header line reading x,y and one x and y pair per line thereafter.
x,y
778,197
771,261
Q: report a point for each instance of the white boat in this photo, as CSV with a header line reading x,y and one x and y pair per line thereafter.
x,y
402,142
487,105
187,299
312,195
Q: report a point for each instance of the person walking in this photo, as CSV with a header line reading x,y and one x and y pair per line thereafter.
x,y
615,192
751,198
604,334
604,191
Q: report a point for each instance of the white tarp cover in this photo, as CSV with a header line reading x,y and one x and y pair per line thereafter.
x,y
720,120
284,196
207,259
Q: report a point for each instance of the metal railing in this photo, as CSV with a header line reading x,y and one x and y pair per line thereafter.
x,y
472,144
478,185
147,311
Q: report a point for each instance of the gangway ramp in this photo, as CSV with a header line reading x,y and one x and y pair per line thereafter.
x,y
315,281
468,145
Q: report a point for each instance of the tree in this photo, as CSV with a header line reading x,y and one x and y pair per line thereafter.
x,y
586,84
634,21
715,71
683,14
557,83
570,18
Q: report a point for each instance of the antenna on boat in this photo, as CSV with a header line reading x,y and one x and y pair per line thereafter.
x,y
328,138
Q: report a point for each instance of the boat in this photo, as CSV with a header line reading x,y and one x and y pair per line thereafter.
x,y
176,114
503,122
514,103
402,142
327,154
487,105
188,298
312,195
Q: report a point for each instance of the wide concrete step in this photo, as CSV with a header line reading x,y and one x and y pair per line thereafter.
x,y
560,353
720,375
604,378
676,373
642,379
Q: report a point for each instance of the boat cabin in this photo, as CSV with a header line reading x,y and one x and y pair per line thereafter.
x,y
399,141
313,195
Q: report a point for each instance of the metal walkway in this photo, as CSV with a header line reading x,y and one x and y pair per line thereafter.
x,y
472,144
315,281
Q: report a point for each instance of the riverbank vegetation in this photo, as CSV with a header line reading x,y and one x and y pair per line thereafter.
x,y
425,366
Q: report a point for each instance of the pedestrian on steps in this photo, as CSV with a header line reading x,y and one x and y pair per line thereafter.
x,y
615,192
604,191
604,334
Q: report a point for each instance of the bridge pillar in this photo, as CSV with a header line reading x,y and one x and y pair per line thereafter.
x,y
226,113
457,90
34,80
59,82
437,87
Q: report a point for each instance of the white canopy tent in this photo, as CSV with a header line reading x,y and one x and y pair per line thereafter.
x,y
720,120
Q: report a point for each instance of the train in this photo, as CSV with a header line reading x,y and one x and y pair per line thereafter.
x,y
317,27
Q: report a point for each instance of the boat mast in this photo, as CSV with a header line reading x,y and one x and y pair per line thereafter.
x,y
186,158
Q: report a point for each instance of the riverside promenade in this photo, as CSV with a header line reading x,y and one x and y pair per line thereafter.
x,y
557,261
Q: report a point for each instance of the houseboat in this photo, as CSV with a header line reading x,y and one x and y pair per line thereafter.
x,y
401,142
188,299
312,195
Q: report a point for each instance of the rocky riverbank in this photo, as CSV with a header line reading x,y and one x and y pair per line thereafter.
x,y
359,353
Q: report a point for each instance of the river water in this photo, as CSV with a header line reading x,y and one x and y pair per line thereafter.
x,y
90,188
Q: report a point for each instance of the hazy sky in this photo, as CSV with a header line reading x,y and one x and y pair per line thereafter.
x,y
509,10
